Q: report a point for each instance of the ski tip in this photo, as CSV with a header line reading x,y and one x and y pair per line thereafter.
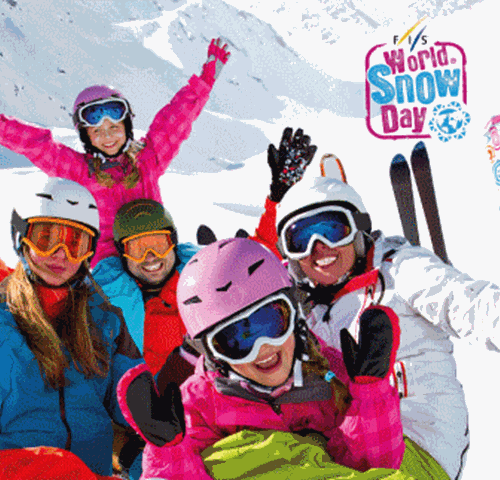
x,y
419,146
398,158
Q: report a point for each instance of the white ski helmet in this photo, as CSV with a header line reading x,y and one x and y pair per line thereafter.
x,y
313,192
57,198
307,195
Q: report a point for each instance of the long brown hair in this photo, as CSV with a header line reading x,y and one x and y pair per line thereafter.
x,y
78,333
131,179
318,365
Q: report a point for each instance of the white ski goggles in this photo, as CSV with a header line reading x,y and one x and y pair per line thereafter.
x,y
333,225
94,113
269,322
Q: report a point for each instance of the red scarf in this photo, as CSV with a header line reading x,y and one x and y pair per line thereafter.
x,y
52,299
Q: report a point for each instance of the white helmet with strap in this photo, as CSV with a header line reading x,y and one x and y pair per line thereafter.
x,y
57,198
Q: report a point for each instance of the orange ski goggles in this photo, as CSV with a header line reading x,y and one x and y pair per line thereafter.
x,y
137,247
46,235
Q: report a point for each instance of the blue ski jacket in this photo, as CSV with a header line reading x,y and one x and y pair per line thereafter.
x,y
124,292
75,417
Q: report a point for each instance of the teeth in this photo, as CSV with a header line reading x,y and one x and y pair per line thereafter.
x,y
268,361
326,261
152,268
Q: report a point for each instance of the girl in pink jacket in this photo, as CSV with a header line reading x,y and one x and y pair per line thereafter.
x,y
115,168
263,370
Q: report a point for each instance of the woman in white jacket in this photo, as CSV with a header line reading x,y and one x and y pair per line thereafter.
x,y
324,231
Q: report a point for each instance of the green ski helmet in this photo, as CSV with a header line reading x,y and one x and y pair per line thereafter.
x,y
141,216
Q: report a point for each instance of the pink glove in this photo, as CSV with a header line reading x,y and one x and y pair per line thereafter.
x,y
217,57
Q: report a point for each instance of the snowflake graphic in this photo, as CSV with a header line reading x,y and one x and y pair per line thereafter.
x,y
449,121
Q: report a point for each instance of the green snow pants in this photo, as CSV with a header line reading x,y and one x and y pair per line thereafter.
x,y
273,455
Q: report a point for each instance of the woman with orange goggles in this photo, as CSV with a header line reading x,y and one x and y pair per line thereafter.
x,y
64,349
46,235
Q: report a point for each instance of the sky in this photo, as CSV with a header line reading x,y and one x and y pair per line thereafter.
x,y
290,65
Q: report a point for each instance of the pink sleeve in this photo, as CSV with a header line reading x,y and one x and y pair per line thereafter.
x,y
370,433
172,124
37,144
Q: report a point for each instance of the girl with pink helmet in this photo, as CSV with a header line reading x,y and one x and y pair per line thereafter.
x,y
262,369
116,168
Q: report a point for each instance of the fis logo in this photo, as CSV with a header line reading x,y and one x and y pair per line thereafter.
x,y
407,36
416,89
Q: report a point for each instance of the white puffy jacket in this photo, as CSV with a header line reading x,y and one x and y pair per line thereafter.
x,y
433,301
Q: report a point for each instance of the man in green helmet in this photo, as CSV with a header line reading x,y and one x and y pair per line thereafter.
x,y
143,283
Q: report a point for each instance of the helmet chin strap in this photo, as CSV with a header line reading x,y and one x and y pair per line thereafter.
x,y
105,158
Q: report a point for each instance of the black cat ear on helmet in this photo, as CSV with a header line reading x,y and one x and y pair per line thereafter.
x,y
205,235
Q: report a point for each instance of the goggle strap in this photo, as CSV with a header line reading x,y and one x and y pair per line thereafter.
x,y
18,225
363,221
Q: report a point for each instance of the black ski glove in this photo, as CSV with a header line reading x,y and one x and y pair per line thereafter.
x,y
289,163
160,419
373,358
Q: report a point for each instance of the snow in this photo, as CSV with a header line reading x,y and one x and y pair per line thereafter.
x,y
290,65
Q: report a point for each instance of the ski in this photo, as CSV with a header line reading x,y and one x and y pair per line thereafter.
x,y
423,177
403,193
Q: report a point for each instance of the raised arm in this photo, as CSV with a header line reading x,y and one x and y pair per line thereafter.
x,y
288,165
37,144
370,433
172,124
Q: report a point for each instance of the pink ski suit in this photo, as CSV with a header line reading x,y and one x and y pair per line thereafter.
x,y
170,127
368,435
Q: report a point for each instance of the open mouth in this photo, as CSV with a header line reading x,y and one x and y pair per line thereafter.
x,y
326,261
269,363
153,268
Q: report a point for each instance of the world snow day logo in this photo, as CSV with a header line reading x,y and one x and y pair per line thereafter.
x,y
416,88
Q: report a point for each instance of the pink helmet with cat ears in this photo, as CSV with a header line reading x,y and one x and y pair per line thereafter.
x,y
224,278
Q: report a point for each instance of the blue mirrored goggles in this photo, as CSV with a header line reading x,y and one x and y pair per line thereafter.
x,y
93,114
333,225
239,339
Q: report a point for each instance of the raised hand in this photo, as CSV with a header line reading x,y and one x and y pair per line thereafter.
x,y
289,163
217,55
373,357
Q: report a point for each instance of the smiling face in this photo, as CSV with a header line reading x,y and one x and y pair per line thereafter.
x,y
273,365
152,270
55,269
109,137
325,266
